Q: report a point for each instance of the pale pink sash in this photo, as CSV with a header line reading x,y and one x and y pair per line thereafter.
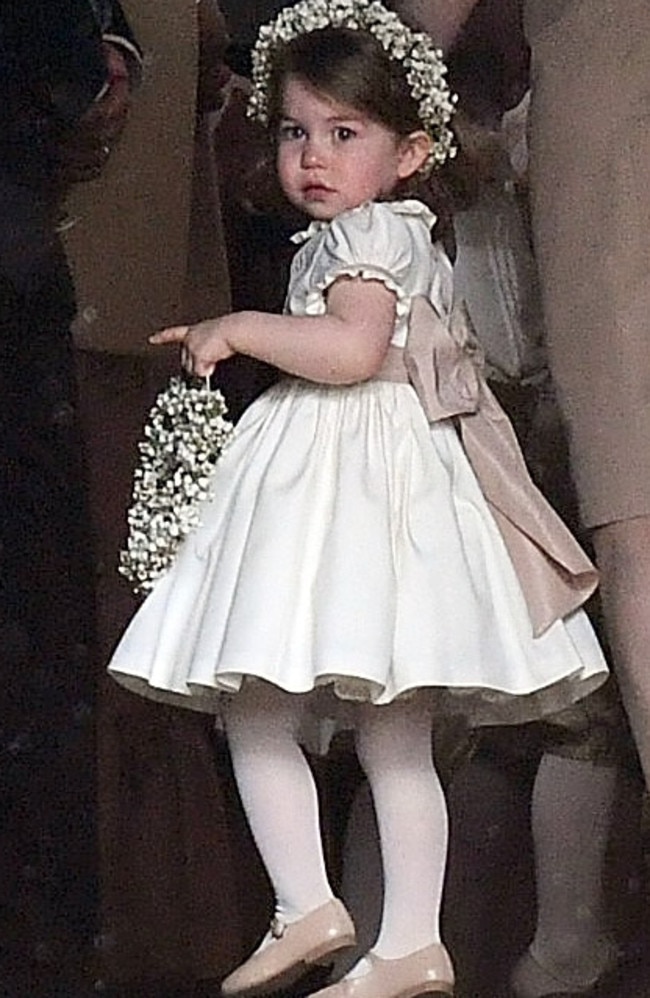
x,y
443,363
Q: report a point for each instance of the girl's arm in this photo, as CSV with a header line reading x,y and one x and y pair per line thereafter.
x,y
346,345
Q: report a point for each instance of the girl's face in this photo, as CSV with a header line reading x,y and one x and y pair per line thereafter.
x,y
332,157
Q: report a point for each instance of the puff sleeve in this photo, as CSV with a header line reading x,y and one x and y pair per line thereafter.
x,y
371,242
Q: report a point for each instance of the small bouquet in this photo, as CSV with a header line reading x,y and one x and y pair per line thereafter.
x,y
185,434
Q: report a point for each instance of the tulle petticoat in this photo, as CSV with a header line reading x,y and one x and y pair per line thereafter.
x,y
348,545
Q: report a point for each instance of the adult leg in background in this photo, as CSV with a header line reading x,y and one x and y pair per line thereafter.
x,y
623,557
591,214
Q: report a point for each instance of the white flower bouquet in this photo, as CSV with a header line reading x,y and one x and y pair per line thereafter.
x,y
184,437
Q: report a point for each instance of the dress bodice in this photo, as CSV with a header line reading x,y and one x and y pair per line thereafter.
x,y
383,241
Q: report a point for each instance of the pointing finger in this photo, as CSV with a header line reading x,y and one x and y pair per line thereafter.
x,y
175,334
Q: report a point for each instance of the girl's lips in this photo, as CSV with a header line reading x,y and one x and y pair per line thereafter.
x,y
316,190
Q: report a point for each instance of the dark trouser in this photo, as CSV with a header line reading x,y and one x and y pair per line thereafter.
x,y
46,613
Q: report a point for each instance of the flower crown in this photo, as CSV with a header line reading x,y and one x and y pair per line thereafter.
x,y
423,62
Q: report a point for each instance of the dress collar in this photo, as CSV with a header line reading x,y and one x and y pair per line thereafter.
x,y
411,207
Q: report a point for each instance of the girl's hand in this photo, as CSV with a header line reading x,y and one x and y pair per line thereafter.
x,y
202,346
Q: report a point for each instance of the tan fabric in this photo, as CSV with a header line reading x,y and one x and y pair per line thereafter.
x,y
539,14
183,895
130,245
590,163
441,363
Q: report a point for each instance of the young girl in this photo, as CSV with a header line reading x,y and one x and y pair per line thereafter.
x,y
373,539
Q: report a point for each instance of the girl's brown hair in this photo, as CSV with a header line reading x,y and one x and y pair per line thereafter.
x,y
351,67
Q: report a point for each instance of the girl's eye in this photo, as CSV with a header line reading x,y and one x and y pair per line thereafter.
x,y
344,134
289,133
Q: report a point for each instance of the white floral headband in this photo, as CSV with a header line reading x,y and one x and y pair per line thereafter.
x,y
423,62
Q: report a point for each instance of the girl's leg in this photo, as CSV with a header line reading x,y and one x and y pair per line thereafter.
x,y
279,796
394,748
278,793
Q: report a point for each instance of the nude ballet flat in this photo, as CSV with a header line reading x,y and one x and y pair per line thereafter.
x,y
428,971
294,949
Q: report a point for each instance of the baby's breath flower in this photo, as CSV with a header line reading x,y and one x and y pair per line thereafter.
x,y
416,51
184,437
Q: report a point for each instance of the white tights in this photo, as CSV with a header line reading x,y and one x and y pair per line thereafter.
x,y
278,793
394,749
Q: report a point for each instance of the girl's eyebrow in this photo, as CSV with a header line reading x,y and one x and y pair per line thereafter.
x,y
340,118
333,119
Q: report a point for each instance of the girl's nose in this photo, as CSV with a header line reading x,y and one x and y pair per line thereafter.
x,y
313,153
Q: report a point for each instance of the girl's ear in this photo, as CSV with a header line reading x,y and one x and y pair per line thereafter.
x,y
414,150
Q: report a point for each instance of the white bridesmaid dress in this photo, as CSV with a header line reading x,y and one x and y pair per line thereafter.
x,y
349,544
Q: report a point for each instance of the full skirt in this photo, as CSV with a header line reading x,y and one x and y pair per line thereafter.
x,y
348,545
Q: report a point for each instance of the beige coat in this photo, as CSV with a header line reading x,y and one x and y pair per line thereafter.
x,y
590,176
